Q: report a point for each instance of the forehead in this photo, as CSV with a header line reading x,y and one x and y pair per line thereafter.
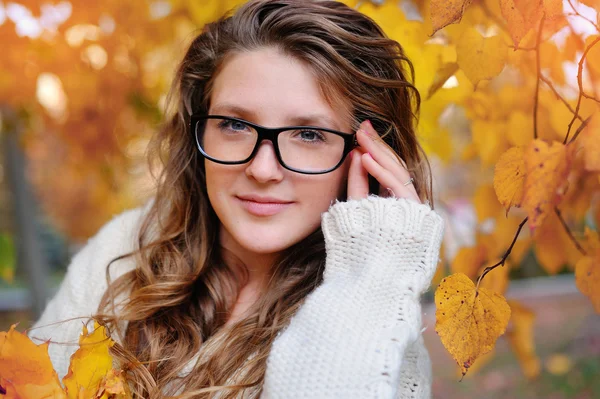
x,y
274,89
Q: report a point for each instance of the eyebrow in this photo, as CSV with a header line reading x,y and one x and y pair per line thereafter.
x,y
319,120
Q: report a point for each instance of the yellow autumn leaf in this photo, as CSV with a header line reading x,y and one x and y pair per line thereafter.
x,y
520,337
113,386
497,280
546,168
519,123
480,57
490,140
509,177
468,320
89,364
445,12
485,202
26,369
468,260
587,277
590,141
442,75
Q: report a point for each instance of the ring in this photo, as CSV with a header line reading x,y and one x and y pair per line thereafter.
x,y
409,181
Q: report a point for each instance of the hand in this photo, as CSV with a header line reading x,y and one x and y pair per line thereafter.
x,y
373,157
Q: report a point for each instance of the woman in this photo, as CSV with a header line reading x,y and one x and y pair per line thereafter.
x,y
282,262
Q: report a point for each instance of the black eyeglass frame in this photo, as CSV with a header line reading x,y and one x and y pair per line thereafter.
x,y
271,134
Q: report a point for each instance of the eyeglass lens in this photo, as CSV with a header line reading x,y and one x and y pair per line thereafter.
x,y
310,150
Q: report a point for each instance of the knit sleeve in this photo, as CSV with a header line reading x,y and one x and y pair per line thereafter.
x,y
82,288
358,334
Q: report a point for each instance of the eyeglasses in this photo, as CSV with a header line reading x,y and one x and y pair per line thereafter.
x,y
303,149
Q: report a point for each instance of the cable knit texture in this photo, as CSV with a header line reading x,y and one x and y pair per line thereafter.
x,y
357,335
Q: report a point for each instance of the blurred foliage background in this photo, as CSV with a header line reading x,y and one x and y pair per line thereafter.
x,y
82,86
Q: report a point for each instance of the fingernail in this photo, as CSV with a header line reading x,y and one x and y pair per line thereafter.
x,y
370,124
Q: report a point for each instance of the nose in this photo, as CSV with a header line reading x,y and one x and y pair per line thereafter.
x,y
265,167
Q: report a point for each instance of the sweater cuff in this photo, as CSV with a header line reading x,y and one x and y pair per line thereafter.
x,y
350,218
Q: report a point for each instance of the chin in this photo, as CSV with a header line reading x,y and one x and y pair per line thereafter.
x,y
266,243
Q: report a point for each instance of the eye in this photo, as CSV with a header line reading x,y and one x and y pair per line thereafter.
x,y
311,136
233,125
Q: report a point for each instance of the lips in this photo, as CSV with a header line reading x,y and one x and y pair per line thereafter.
x,y
263,206
263,199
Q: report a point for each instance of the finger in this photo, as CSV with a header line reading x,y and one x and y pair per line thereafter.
x,y
367,127
370,142
378,153
358,178
387,179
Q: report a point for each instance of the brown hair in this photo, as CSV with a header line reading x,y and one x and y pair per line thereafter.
x,y
179,297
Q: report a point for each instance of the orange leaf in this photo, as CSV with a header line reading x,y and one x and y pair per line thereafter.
x,y
521,16
509,178
547,167
445,12
30,376
521,340
468,321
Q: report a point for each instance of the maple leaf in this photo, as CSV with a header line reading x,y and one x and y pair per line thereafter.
x,y
468,320
25,368
509,178
445,12
521,340
480,57
89,364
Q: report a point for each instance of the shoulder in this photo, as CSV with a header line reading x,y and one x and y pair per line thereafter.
x,y
119,234
86,277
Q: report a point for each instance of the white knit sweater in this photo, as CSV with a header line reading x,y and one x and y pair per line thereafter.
x,y
357,335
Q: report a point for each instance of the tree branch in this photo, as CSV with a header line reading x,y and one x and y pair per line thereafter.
x,y
580,128
505,256
561,98
568,231
580,84
583,16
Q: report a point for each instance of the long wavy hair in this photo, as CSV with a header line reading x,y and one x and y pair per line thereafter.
x,y
171,310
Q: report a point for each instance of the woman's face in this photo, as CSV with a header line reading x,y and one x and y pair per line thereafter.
x,y
272,90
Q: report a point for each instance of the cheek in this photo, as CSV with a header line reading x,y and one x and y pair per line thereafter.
x,y
322,190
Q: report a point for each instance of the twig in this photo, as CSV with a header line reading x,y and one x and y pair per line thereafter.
x,y
583,16
561,98
564,224
590,97
505,256
580,129
522,48
539,73
580,84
